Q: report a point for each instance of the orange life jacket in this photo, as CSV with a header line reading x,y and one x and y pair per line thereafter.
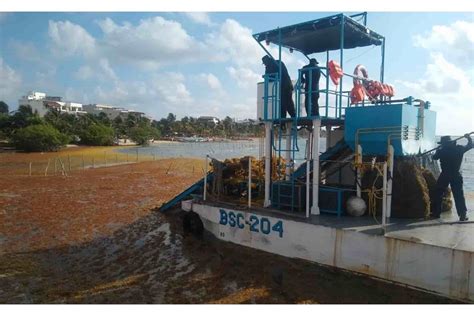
x,y
357,93
335,71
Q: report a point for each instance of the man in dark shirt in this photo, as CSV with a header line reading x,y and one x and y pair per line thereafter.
x,y
310,79
273,67
450,156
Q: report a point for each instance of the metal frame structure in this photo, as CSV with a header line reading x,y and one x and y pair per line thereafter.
x,y
274,98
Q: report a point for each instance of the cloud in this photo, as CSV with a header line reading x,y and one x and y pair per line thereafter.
x,y
451,92
152,42
448,81
199,17
70,39
25,50
100,70
10,82
211,81
455,41
84,72
234,42
244,77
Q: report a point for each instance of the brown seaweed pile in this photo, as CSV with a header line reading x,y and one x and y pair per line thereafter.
x,y
412,191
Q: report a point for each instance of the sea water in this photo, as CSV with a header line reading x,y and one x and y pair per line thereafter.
x,y
233,149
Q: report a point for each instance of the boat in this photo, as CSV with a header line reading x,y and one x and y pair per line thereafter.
x,y
306,212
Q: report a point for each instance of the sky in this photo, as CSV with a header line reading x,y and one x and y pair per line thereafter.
x,y
198,63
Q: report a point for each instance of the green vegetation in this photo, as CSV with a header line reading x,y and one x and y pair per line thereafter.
x,y
3,107
28,131
39,137
97,134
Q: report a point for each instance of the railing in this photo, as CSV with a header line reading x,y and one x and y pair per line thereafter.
x,y
335,99
330,110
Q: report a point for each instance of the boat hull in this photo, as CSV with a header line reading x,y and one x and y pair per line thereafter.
x,y
434,268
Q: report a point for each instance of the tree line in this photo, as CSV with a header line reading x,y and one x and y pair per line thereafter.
x,y
26,130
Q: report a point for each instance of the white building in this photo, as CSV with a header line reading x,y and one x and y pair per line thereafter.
x,y
42,103
112,112
209,119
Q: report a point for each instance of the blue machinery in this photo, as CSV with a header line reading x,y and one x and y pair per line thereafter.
x,y
406,124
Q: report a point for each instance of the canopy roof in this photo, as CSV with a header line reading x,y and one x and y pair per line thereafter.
x,y
321,35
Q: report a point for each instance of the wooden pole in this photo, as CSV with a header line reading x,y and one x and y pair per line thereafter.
x,y
46,170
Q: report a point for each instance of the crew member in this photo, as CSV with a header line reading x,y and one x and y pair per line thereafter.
x,y
450,155
273,67
310,75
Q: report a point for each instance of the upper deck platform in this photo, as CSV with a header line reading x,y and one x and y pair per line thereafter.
x,y
322,35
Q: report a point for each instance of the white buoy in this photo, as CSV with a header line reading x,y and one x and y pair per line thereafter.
x,y
356,206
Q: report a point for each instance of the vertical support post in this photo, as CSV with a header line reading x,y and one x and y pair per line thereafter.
x,y
315,158
308,171
391,163
359,167
384,198
288,151
268,162
339,109
382,66
205,179
278,114
250,183
327,83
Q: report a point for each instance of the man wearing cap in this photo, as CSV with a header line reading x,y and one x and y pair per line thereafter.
x,y
310,75
273,67
450,156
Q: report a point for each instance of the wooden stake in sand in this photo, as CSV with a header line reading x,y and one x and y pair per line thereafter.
x,y
63,168
46,170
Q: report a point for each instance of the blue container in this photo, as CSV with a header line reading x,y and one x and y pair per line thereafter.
x,y
409,128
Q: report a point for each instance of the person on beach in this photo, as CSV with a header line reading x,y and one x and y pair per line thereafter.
x,y
451,155
273,67
310,75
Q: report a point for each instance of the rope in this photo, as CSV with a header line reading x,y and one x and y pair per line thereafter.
x,y
363,53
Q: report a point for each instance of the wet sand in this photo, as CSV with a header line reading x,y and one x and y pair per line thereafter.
x,y
95,237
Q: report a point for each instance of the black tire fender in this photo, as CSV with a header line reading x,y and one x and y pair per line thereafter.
x,y
192,224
